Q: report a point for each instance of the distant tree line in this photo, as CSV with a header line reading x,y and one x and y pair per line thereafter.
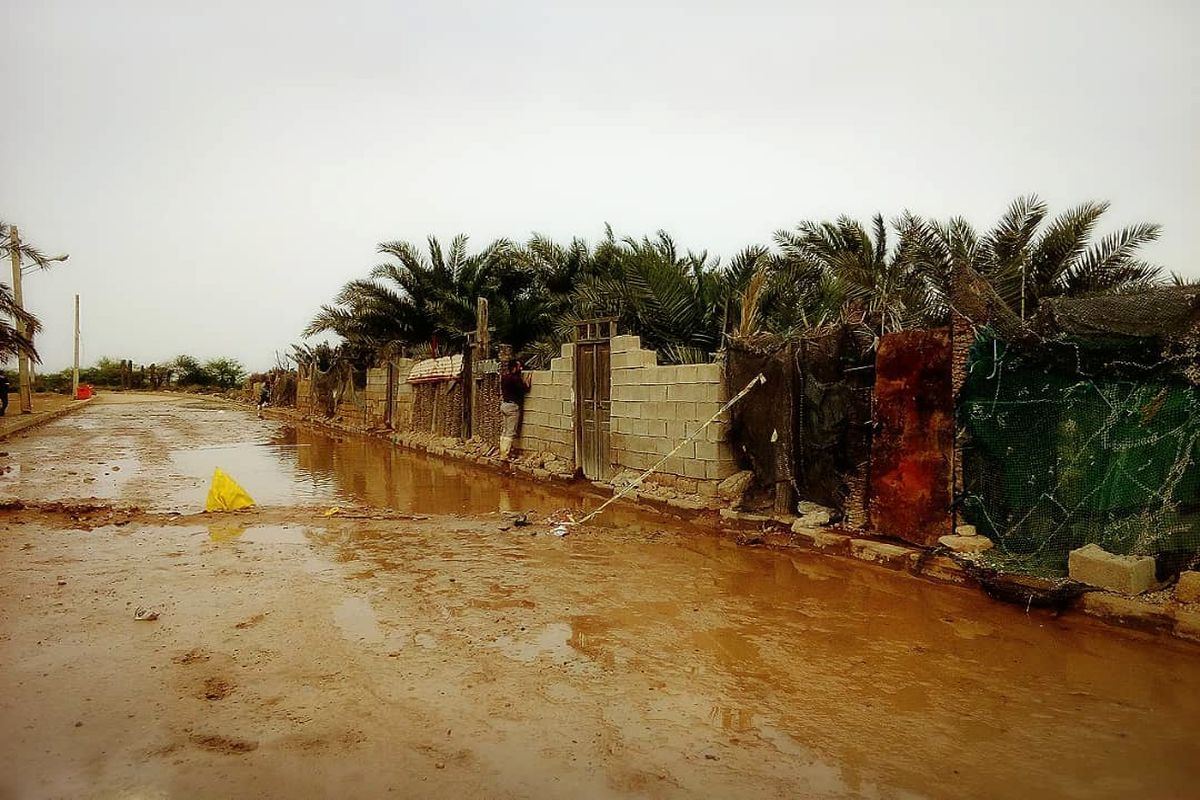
x,y
184,372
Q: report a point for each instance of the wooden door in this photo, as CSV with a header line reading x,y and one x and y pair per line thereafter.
x,y
912,448
593,404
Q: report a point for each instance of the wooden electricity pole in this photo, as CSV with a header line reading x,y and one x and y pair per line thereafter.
x,y
14,249
75,370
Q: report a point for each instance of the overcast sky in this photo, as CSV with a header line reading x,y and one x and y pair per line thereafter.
x,y
218,169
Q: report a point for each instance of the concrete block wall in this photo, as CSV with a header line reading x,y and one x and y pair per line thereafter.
x,y
375,397
548,420
655,407
402,397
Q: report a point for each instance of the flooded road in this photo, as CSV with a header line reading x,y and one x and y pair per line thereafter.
x,y
299,655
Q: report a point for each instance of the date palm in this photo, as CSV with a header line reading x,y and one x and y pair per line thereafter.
x,y
13,343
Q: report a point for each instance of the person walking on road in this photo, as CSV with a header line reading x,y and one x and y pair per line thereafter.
x,y
264,397
514,385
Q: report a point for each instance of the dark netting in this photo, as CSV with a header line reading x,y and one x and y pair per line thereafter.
x,y
809,425
762,425
836,377
1067,446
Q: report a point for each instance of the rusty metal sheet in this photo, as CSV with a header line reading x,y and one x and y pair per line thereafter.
x,y
911,452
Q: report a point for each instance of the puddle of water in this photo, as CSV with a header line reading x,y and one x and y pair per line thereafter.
x,y
258,534
300,466
552,641
356,619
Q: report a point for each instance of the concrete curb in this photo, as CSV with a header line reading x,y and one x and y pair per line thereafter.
x,y
34,420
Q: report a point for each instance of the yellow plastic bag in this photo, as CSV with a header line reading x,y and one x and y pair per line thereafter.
x,y
225,494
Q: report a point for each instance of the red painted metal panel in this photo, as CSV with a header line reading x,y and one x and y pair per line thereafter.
x,y
911,453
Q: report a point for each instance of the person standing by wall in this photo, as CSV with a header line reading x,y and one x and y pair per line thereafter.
x,y
514,385
3,393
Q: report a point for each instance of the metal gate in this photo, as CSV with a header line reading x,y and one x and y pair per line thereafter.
x,y
592,397
912,448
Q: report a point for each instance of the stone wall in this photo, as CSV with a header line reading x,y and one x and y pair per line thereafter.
x,y
548,421
654,408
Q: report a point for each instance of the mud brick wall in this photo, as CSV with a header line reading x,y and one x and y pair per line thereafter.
x,y
654,408
485,421
437,408
548,421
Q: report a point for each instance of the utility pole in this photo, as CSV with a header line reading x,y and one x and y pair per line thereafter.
x,y
14,249
75,371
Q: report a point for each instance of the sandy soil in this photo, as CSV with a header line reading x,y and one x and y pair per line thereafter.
x,y
425,646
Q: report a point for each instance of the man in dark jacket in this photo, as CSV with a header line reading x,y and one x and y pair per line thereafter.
x,y
513,388
3,393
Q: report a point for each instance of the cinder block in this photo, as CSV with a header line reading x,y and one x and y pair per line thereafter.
x,y
621,344
676,429
661,375
626,360
656,428
660,410
657,392
623,377
706,451
684,411
687,373
649,358
693,468
704,410
1128,575
1187,590
719,470
709,373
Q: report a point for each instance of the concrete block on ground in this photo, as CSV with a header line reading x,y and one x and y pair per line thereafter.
x,y
1187,590
944,568
1127,575
733,487
966,530
1126,611
743,516
820,538
892,555
1187,623
685,503
966,544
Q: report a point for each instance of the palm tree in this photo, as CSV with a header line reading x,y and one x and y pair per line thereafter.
x,y
1027,260
844,270
675,301
12,343
418,297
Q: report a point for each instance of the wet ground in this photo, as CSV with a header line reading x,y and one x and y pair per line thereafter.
x,y
417,649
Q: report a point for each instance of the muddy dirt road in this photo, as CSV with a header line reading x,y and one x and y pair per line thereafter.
x,y
299,655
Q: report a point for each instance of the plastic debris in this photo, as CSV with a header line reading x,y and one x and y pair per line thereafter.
x,y
560,531
143,614
225,494
333,512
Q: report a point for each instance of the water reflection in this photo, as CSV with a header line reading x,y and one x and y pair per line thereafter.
x,y
305,467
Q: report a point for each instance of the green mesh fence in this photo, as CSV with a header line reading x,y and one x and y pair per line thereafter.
x,y
1057,457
